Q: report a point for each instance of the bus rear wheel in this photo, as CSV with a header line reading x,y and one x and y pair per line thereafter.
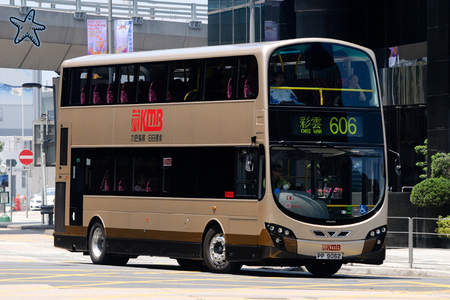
x,y
97,245
323,268
214,252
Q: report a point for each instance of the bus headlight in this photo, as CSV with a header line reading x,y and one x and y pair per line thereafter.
x,y
278,234
380,235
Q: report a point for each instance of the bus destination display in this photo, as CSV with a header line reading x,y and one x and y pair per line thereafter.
x,y
315,125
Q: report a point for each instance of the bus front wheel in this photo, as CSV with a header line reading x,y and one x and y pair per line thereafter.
x,y
97,245
323,268
214,252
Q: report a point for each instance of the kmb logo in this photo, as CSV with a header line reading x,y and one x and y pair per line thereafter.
x,y
146,120
331,247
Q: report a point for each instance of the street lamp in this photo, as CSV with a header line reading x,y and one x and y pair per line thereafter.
x,y
43,117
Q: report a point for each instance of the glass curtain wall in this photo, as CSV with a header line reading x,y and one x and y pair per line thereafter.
x,y
228,21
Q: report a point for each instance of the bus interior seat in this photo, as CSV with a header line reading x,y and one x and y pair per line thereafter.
x,y
143,91
230,88
156,92
251,87
341,83
312,97
83,95
152,185
177,90
110,93
126,92
100,91
123,184
106,182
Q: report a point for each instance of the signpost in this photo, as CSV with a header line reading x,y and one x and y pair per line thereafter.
x,y
26,157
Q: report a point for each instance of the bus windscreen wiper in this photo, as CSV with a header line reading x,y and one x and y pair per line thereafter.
x,y
328,145
308,153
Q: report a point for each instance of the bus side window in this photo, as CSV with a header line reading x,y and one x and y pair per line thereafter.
x,y
122,167
78,86
178,165
102,83
127,87
100,176
184,80
247,183
146,171
248,78
65,87
216,171
151,85
218,78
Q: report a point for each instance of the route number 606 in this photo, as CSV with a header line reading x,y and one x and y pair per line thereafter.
x,y
343,125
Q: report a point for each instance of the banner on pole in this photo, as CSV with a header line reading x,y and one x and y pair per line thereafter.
x,y
97,37
123,36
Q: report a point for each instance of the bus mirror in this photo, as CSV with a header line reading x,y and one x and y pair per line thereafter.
x,y
249,164
398,165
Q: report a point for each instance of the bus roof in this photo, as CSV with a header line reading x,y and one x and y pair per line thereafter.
x,y
191,53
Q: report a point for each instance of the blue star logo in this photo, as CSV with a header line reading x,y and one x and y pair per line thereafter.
x,y
27,29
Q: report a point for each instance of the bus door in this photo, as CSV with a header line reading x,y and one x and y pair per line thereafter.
x,y
77,186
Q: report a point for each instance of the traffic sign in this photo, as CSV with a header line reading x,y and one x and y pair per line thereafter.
x,y
26,157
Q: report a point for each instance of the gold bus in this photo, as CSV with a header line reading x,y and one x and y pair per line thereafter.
x,y
258,154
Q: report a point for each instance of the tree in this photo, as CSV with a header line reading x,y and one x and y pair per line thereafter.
x,y
431,192
440,165
422,150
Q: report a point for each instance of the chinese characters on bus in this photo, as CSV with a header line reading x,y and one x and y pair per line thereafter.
x,y
145,120
340,126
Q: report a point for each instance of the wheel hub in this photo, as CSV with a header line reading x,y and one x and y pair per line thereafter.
x,y
217,247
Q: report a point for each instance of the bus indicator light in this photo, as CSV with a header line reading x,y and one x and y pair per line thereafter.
x,y
229,194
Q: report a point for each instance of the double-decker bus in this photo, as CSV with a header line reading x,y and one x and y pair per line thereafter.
x,y
266,154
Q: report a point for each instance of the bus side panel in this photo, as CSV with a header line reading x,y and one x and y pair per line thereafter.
x,y
60,207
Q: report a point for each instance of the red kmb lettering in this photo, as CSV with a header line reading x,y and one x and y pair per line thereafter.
x,y
327,247
146,120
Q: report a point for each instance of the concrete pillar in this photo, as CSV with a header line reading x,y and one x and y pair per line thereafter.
x,y
438,88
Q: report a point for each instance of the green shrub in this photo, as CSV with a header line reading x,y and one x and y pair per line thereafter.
x,y
440,165
431,192
443,227
422,150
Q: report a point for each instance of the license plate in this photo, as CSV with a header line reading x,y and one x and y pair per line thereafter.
x,y
331,256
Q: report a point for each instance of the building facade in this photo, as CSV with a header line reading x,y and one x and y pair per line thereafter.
x,y
409,37
19,115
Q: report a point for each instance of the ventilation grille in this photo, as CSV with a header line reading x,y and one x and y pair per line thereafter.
x,y
333,234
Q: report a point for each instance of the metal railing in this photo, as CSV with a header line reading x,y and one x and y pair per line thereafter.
x,y
411,231
136,9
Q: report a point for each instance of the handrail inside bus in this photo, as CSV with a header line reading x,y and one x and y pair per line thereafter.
x,y
345,205
320,89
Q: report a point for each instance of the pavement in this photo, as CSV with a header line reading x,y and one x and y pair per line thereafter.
x,y
420,262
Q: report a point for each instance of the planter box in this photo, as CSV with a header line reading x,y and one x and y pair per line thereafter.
x,y
400,206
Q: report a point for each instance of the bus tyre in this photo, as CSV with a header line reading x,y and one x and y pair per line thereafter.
x,y
214,252
97,245
323,268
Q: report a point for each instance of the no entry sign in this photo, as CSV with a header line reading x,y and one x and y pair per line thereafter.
x,y
26,157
